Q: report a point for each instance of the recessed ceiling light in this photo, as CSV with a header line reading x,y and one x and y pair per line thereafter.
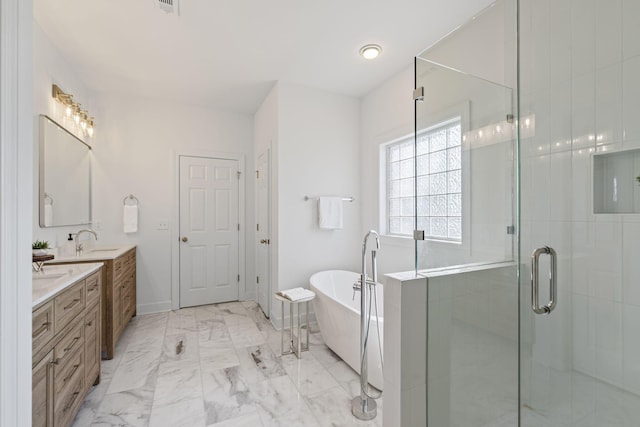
x,y
370,51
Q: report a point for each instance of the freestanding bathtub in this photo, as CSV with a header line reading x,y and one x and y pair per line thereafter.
x,y
338,315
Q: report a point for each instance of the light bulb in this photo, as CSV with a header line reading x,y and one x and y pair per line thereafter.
x,y
76,113
68,111
90,127
370,51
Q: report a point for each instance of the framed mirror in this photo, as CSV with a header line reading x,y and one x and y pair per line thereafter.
x,y
65,176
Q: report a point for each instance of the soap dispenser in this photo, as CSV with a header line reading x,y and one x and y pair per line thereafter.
x,y
70,246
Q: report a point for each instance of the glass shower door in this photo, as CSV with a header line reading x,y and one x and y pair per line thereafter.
x,y
465,204
579,86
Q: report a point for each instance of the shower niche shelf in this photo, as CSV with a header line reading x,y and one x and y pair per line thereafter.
x,y
616,189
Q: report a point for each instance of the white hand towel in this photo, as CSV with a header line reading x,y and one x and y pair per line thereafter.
x,y
130,218
296,294
48,215
330,213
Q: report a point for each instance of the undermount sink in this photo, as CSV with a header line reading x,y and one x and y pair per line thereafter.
x,y
42,276
92,251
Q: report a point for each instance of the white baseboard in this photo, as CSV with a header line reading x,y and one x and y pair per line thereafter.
x,y
156,307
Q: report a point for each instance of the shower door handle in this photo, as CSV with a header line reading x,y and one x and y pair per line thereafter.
x,y
553,287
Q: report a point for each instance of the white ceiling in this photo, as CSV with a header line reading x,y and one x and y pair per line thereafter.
x,y
228,53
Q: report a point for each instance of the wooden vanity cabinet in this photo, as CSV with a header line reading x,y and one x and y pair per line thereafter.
x,y
118,297
66,352
42,392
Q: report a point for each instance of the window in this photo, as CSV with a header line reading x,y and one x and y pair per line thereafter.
x,y
437,160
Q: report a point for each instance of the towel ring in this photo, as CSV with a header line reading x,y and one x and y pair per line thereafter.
x,y
131,197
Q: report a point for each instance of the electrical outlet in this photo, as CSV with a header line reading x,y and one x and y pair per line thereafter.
x,y
163,224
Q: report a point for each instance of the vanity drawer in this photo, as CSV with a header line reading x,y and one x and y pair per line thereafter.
x,y
92,288
42,326
65,350
73,366
67,402
68,305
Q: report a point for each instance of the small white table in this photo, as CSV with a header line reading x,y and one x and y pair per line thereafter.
x,y
295,346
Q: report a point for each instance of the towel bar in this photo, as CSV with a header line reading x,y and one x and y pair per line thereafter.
x,y
344,199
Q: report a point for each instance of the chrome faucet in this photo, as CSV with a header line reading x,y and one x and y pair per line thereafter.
x,y
374,268
364,406
79,247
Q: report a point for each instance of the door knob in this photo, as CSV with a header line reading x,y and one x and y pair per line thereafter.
x,y
184,239
264,241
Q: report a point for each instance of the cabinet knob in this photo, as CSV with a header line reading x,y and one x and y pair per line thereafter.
x,y
185,239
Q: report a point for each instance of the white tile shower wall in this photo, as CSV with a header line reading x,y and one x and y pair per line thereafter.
x,y
590,72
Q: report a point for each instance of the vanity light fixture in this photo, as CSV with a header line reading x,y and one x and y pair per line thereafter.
x,y
90,127
72,110
370,51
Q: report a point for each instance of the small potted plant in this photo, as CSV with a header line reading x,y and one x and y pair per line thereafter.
x,y
39,247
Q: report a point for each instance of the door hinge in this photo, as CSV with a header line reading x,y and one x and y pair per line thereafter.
x,y
238,277
257,227
238,174
238,227
257,174
511,229
509,118
257,279
418,94
418,234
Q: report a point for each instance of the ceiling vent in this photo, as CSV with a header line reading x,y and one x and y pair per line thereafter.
x,y
169,6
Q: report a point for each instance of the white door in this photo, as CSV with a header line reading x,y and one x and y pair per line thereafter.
x,y
263,279
208,231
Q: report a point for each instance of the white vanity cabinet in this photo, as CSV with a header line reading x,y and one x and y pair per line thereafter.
x,y
66,345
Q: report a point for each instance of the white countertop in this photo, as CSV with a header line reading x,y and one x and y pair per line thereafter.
x,y
52,279
95,253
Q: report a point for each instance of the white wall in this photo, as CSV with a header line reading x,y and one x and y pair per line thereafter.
x,y
387,114
50,67
136,155
16,132
315,152
479,49
134,152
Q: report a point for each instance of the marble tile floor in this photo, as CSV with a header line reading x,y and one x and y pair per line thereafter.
x,y
219,365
